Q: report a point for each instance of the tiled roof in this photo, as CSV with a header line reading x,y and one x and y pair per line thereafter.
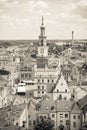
x,y
50,88
83,102
7,114
63,105
75,108
84,109
4,72
47,106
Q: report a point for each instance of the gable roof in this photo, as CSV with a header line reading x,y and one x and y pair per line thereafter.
x,y
75,108
61,83
18,100
30,103
46,106
7,114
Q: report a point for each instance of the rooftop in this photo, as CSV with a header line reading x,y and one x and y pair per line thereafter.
x,y
7,114
4,72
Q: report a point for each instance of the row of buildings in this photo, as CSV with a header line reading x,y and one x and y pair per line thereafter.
x,y
66,115
44,86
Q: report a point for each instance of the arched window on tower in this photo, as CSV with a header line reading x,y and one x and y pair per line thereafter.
x,y
41,42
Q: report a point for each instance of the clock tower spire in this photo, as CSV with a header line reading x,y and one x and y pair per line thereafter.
x,y
42,47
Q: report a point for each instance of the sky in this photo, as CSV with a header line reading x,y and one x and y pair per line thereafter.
x,y
21,19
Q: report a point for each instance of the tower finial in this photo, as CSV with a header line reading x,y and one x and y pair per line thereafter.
x,y
42,20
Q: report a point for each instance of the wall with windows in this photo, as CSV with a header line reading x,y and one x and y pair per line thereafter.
x,y
62,95
75,121
61,90
53,118
63,119
43,51
22,119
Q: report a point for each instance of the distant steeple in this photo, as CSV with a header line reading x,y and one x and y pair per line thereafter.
x,y
72,38
42,21
42,28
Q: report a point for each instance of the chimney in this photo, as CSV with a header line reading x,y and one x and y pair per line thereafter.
x,y
72,38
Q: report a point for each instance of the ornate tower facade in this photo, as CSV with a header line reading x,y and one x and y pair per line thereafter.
x,y
42,56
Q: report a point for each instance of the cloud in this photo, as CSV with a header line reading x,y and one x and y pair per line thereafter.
x,y
3,0
23,17
80,9
42,4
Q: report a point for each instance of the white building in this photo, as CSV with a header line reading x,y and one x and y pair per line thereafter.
x,y
61,90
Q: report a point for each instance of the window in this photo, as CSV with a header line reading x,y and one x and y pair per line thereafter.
x,y
38,91
67,122
34,122
17,123
61,115
61,121
65,90
79,116
48,81
60,97
53,115
22,76
65,98
30,75
42,87
52,108
43,92
42,80
74,117
38,87
74,124
38,80
28,116
23,124
52,81
40,117
45,117
41,42
25,75
66,115
29,122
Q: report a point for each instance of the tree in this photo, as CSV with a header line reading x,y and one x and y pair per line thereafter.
x,y
44,124
85,124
